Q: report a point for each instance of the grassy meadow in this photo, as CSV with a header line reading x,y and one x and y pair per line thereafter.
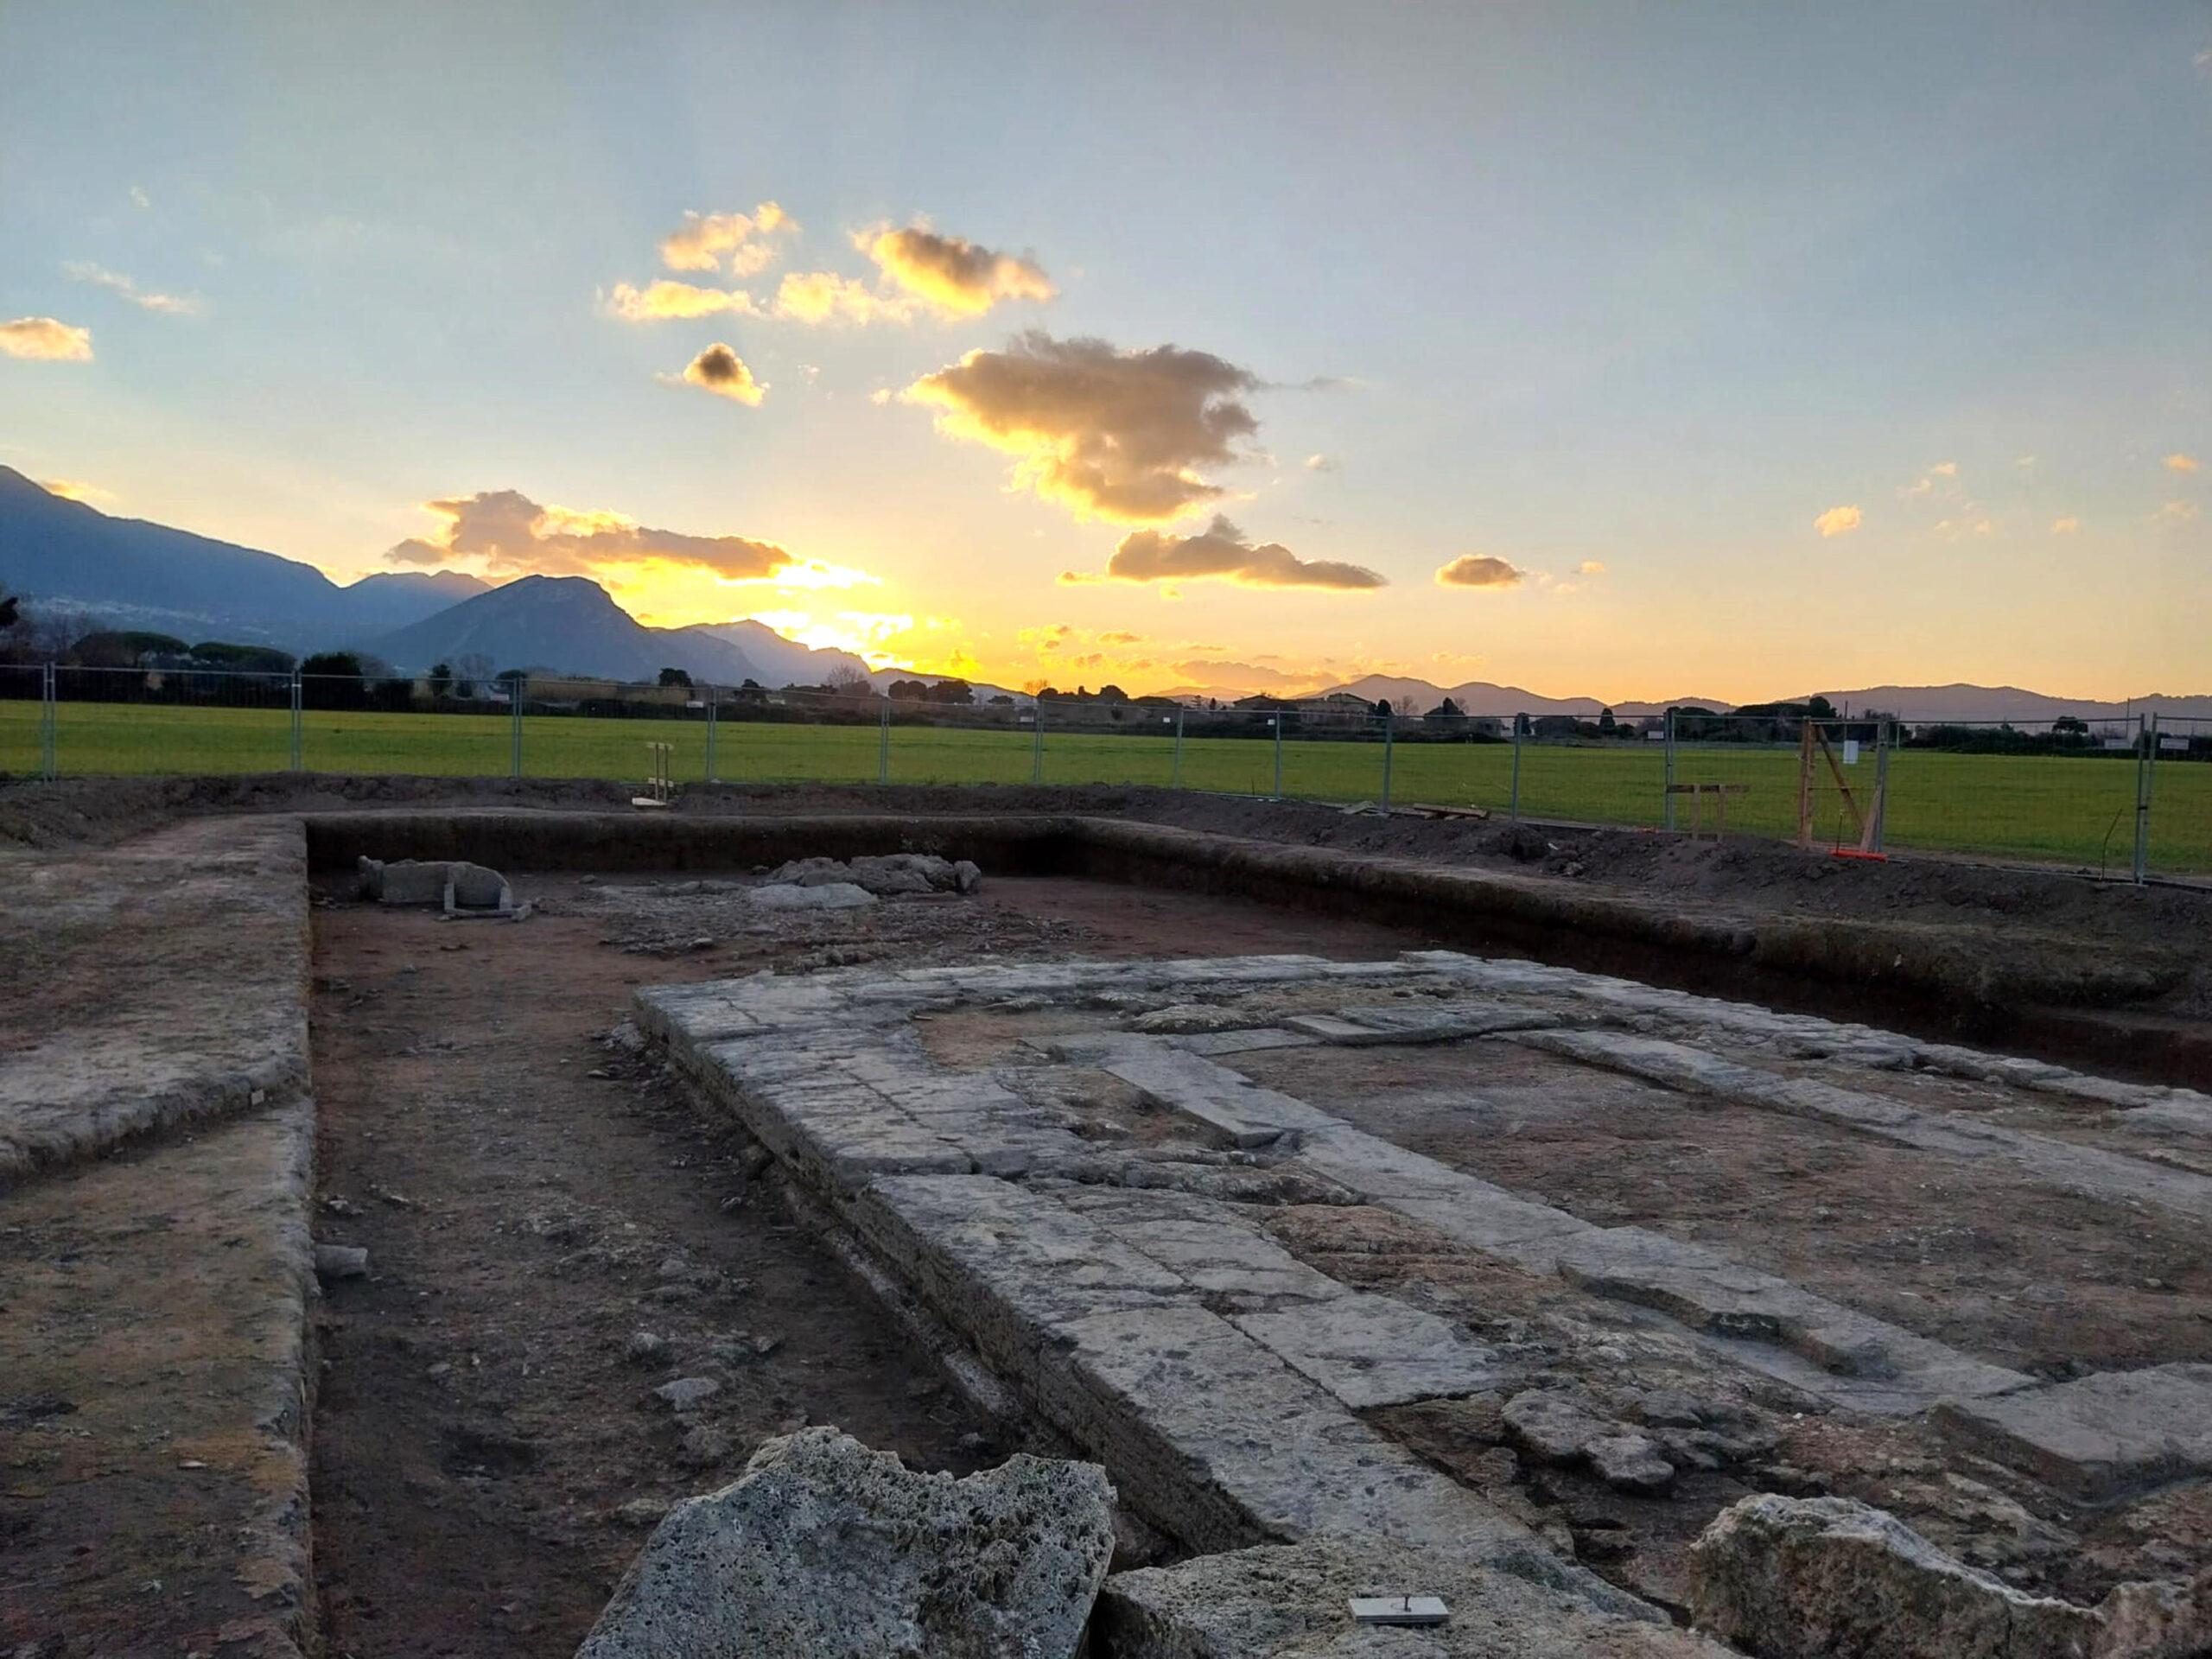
x,y
2071,810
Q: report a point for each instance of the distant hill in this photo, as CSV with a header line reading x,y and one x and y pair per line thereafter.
x,y
1484,698
66,556
1934,702
777,661
563,625
1913,703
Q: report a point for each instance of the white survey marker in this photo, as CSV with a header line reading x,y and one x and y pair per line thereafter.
x,y
1398,1609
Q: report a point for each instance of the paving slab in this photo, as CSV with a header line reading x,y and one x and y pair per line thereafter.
x,y
2101,1437
1372,1351
1201,1424
1293,1602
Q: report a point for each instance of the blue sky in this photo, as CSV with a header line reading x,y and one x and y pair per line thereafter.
x,y
1652,288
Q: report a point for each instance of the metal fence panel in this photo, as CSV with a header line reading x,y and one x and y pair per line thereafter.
x,y
2178,829
2053,792
22,719
402,726
110,720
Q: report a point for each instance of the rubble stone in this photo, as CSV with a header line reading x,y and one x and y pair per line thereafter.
x,y
825,1548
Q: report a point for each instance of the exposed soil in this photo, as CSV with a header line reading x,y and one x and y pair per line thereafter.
x,y
532,1199
1974,1253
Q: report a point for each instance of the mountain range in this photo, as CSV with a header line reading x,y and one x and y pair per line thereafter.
x,y
1913,702
68,558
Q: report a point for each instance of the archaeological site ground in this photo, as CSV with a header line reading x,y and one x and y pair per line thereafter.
x,y
1247,1224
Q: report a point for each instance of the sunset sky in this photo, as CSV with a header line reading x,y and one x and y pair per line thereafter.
x,y
1634,351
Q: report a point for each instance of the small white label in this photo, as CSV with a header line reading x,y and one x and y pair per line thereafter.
x,y
1398,1609
1850,750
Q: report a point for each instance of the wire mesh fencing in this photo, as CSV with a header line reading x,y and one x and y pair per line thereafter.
x,y
24,712
2114,795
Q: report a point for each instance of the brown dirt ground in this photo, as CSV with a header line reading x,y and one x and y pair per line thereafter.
x,y
529,1199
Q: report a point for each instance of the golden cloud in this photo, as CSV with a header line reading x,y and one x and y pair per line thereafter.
x,y
46,338
75,489
1591,568
664,300
720,371
706,241
2180,463
1479,571
824,296
510,534
2064,526
1222,550
1838,521
1112,435
950,274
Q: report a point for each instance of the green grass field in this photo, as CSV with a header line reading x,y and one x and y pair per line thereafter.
x,y
2077,810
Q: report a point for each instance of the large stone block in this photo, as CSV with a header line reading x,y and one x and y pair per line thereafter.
x,y
827,1549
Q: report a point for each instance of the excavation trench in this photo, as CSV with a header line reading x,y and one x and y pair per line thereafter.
x,y
2074,1004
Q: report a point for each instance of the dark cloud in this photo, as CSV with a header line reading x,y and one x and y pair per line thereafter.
x,y
720,371
1112,433
1220,550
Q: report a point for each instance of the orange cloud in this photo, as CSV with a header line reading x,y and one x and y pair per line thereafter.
x,y
1479,571
72,489
1112,435
1223,550
48,339
950,274
706,241
818,296
2180,463
664,300
1838,521
2064,526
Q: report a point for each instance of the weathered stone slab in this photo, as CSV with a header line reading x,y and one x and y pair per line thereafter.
x,y
1371,1026
1012,1266
1710,1293
1828,1578
2101,1437
1180,1081
1292,1602
827,1549
1244,1042
1217,1435
1205,1244
2065,1166
1371,1351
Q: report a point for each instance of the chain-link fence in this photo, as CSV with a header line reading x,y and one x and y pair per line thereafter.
x,y
2117,795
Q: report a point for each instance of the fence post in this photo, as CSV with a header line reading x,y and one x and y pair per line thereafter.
x,y
1669,791
514,706
1037,746
710,734
1175,778
2146,760
299,720
1390,725
49,695
1513,811
1277,719
883,746
1881,785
